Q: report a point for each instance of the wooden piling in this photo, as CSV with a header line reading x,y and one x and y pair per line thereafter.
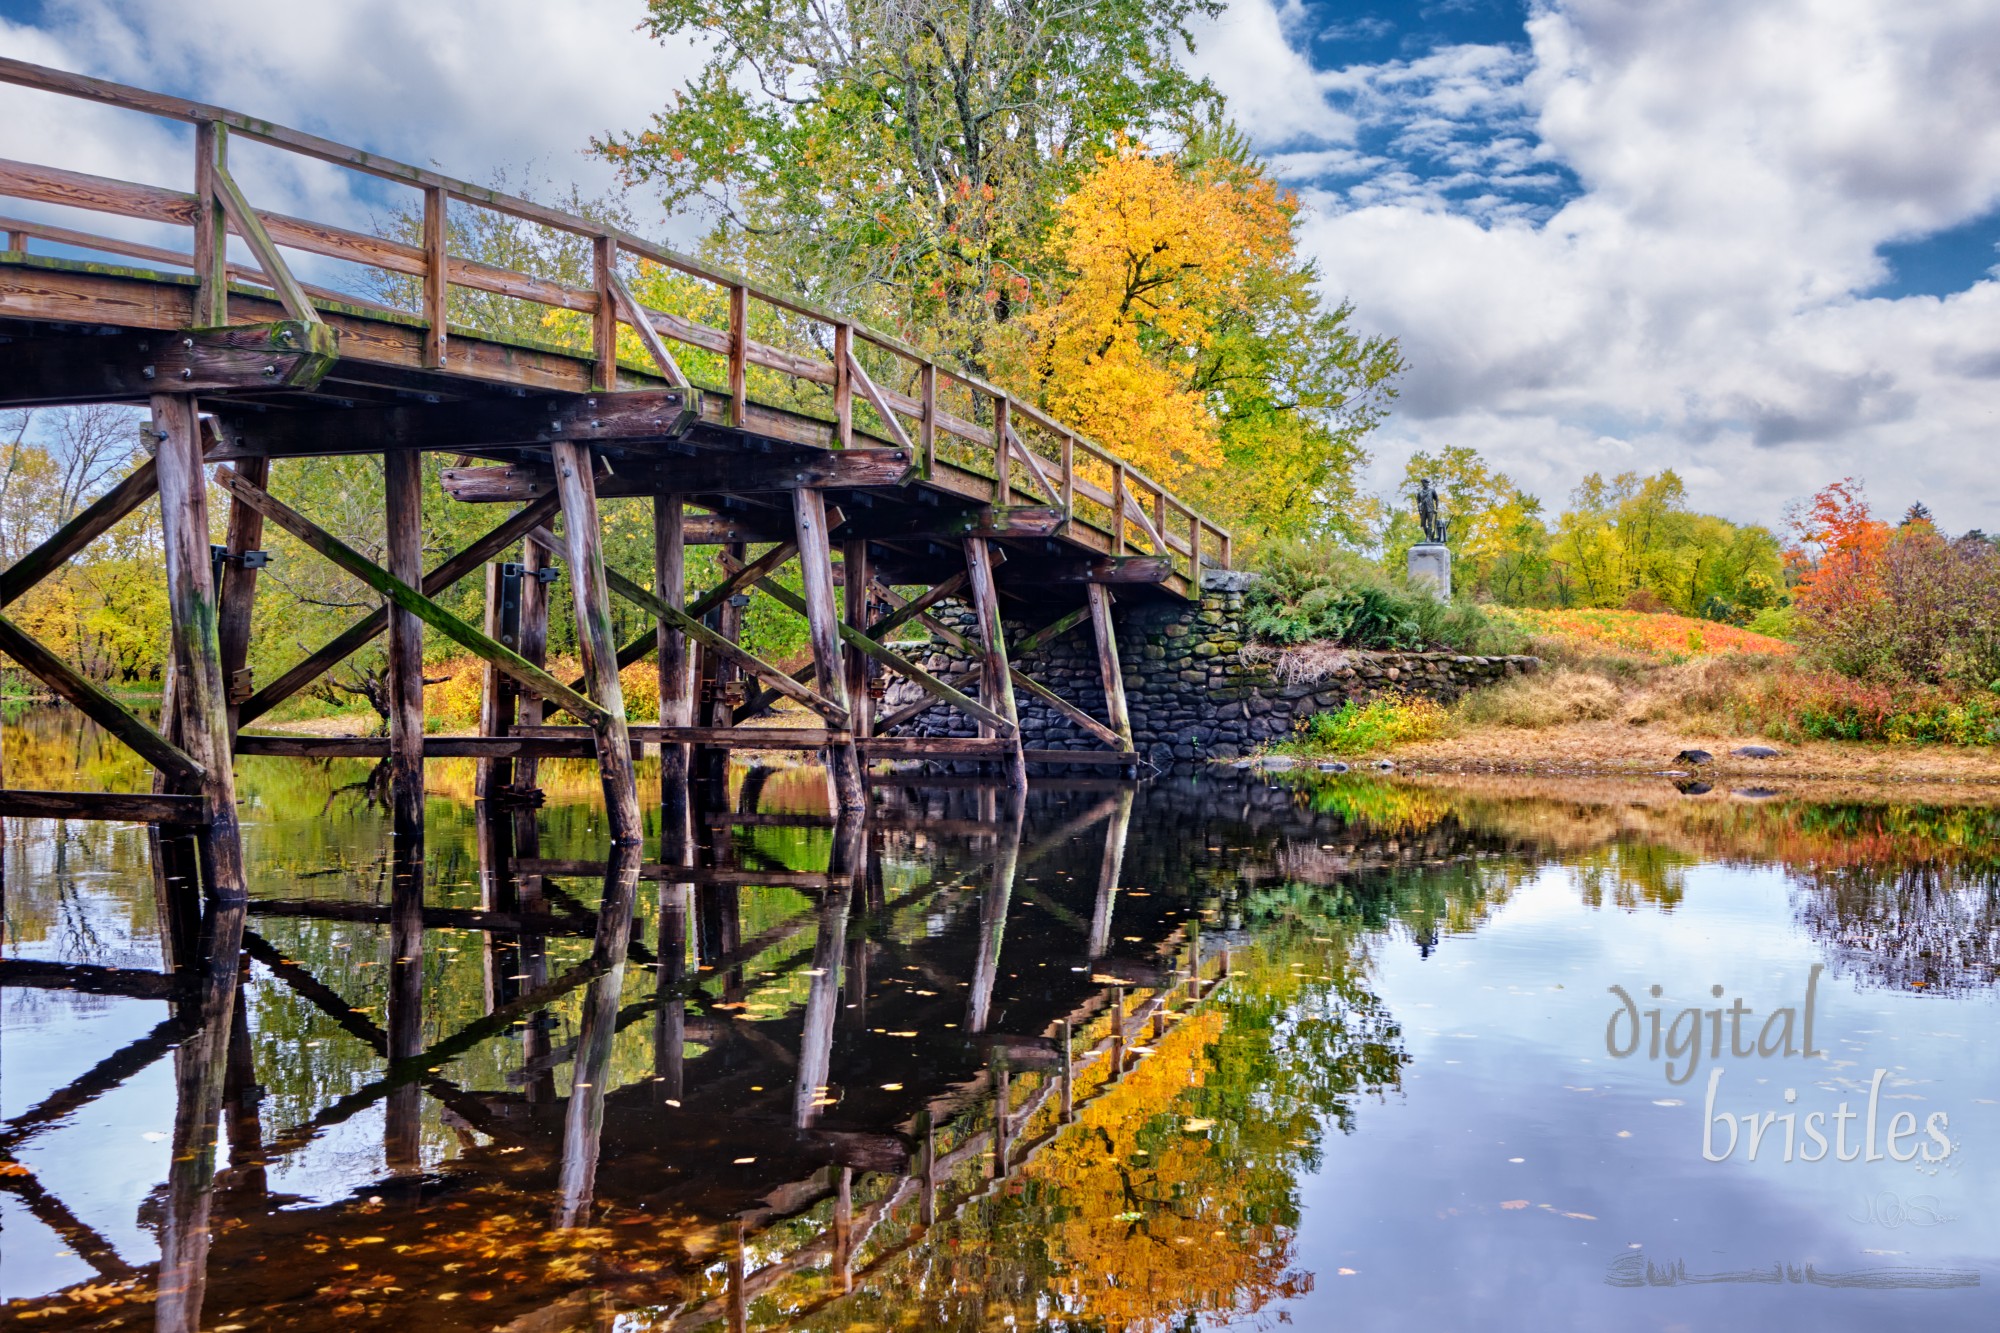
x,y
239,592
403,479
496,713
583,541
1109,671
856,579
677,700
529,710
823,622
996,682
202,715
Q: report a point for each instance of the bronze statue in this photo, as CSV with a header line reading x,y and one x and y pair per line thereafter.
x,y
1428,513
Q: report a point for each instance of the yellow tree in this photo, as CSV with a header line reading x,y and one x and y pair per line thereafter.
x,y
1159,258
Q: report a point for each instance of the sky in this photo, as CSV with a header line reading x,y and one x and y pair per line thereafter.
x,y
1753,242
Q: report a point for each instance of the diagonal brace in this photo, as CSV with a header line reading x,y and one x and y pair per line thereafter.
x,y
835,715
357,636
96,705
897,663
702,605
518,668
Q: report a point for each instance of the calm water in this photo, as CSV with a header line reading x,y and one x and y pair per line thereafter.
x,y
456,1094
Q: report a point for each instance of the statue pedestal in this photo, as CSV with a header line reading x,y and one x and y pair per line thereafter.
x,y
1430,566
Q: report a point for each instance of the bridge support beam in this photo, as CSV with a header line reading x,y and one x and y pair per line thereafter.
x,y
403,482
677,700
583,539
823,623
1108,668
202,716
996,681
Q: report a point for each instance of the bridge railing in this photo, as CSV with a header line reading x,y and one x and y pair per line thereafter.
x,y
946,417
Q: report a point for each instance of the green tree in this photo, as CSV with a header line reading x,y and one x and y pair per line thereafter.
x,y
903,162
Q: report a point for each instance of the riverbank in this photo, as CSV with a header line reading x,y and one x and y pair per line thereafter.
x,y
1618,748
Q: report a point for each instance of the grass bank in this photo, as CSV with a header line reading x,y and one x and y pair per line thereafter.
x,y
1625,692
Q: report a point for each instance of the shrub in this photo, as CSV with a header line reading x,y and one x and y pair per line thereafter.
x,y
1916,607
1316,592
1778,622
1379,724
1545,699
1824,706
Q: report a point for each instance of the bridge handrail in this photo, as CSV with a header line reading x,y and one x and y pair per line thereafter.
x,y
1133,503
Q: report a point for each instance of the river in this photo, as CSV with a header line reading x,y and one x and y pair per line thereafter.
x,y
1338,1052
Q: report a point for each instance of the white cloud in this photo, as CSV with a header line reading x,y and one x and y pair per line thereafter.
x,y
1693,304
469,89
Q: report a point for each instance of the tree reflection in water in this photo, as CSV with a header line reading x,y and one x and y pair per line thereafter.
x,y
510,1082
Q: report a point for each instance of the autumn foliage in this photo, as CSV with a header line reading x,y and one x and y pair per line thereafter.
x,y
1900,605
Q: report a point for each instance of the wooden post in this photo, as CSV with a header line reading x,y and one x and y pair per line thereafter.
x,y
1117,1032
843,385
1118,508
402,471
856,579
1068,1075
402,1122
604,328
927,422
739,356
996,683
823,621
437,265
927,1151
676,679
736,1300
529,709
201,1076
495,694
582,538
1003,1096
239,591
211,229
1109,671
1003,460
843,1228
1068,478
1109,869
202,715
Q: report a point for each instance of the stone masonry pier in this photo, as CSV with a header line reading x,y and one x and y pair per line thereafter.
x,y
1193,692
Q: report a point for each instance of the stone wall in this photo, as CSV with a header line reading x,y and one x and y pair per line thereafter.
x,y
1192,692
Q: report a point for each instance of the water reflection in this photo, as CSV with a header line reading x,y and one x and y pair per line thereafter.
x,y
1086,1056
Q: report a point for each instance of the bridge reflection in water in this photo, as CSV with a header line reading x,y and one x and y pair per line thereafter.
x,y
727,1072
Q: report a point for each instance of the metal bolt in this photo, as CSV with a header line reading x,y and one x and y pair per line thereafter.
x,y
270,370
187,374
147,371
188,343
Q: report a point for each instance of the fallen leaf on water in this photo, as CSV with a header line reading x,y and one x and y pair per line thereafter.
x,y
1197,1126
1346,1272
1515,1203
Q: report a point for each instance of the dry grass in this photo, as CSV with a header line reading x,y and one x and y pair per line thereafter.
x,y
1545,699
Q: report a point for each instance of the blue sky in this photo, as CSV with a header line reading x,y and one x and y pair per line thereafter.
x,y
1749,241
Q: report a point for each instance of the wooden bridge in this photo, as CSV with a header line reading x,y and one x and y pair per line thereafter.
x,y
895,482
